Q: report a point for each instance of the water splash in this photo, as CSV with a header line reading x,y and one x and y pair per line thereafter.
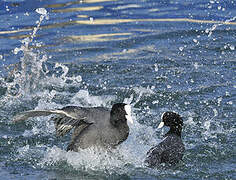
x,y
130,154
35,77
83,98
209,31
27,73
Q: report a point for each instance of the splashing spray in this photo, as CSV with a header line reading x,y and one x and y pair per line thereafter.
x,y
213,28
27,75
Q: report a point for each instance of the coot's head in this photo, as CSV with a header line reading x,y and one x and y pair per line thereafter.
x,y
172,120
120,114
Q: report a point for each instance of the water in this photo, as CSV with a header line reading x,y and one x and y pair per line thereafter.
x,y
155,55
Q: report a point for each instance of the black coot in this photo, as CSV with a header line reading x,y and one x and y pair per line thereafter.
x,y
171,150
93,126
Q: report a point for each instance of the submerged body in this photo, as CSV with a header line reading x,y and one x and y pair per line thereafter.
x,y
94,126
171,150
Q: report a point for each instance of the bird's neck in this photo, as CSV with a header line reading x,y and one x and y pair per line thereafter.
x,y
175,130
122,130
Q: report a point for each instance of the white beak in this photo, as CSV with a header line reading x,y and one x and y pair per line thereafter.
x,y
161,125
128,114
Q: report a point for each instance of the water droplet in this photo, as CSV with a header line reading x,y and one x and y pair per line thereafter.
x,y
219,100
207,124
181,48
42,11
196,65
16,50
7,9
230,102
38,44
186,103
26,14
195,40
155,102
79,79
215,112
156,67
232,48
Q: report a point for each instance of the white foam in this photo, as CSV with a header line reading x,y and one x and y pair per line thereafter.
x,y
140,91
130,153
83,98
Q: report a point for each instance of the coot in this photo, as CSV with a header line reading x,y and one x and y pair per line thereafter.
x,y
171,150
93,126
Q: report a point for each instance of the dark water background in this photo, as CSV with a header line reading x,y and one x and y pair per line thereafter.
x,y
156,55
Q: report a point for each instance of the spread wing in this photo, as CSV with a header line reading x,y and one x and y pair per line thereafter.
x,y
66,119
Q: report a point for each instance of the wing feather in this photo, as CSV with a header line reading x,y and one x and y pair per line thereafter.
x,y
67,118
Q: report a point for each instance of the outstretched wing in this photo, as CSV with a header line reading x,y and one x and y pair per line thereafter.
x,y
35,113
67,118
